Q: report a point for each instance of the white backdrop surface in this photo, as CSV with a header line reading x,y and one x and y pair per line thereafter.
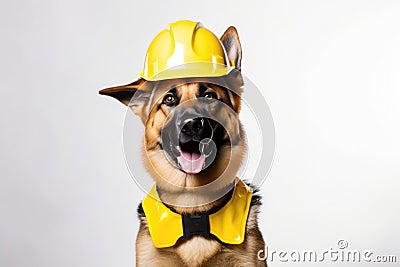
x,y
328,69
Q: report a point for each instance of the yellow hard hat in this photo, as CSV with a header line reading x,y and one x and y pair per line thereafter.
x,y
186,49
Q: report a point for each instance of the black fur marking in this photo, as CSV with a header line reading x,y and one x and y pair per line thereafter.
x,y
256,198
140,210
225,90
202,89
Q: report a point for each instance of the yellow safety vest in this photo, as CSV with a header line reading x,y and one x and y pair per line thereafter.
x,y
228,224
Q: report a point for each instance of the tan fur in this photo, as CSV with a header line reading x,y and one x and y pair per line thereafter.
x,y
197,250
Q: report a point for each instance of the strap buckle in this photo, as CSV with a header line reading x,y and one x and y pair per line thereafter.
x,y
195,225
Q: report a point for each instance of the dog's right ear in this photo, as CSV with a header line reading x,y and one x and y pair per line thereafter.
x,y
231,42
133,95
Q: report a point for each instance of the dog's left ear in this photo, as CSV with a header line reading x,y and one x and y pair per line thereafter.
x,y
134,95
231,42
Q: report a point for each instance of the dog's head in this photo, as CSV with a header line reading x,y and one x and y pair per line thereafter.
x,y
193,135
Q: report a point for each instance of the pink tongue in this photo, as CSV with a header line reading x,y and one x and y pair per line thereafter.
x,y
191,162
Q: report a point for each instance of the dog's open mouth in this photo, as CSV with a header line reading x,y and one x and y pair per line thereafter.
x,y
191,159
194,144
191,156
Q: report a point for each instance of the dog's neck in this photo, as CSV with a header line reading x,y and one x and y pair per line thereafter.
x,y
192,203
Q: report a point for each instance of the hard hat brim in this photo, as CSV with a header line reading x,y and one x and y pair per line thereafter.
x,y
191,70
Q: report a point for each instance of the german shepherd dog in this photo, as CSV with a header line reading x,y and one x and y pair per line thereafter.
x,y
176,121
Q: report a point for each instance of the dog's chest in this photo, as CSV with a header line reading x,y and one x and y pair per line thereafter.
x,y
197,250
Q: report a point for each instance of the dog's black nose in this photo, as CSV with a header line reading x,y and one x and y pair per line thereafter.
x,y
193,127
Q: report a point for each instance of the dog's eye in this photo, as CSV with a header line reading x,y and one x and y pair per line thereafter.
x,y
169,100
210,95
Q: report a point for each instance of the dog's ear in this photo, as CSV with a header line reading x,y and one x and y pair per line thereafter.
x,y
231,42
133,95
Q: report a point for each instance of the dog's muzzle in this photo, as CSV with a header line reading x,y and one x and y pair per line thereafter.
x,y
193,140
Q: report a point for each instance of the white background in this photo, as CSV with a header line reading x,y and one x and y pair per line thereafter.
x,y
330,73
